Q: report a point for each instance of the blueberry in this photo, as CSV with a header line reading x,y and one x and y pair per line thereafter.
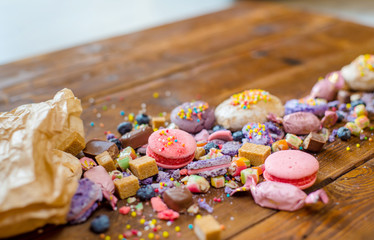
x,y
344,133
238,136
341,115
210,145
142,119
356,103
117,142
124,127
145,193
100,224
217,128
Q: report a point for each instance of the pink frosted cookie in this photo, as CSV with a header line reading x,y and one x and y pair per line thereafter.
x,y
292,166
171,148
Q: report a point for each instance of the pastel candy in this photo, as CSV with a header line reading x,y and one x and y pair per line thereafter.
x,y
100,176
225,135
279,145
197,184
237,165
293,141
360,110
282,196
353,128
87,163
250,171
128,151
329,119
218,182
362,122
301,123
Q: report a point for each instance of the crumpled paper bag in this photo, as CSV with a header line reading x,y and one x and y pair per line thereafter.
x,y
37,180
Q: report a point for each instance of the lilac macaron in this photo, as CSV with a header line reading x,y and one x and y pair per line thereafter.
x,y
316,106
193,117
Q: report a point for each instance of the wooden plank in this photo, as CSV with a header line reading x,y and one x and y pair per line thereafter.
x,y
286,63
144,62
349,215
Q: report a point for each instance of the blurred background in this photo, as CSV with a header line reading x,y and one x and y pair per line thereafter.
x,y
33,27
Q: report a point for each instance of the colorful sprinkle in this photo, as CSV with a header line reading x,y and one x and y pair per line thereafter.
x,y
190,226
92,124
248,97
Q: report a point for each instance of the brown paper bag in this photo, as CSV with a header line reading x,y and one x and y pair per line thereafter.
x,y
37,178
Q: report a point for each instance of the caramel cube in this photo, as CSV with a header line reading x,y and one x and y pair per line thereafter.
x,y
127,186
144,167
255,153
73,143
207,228
104,159
158,122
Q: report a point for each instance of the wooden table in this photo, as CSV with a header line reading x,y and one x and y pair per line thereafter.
x,y
252,45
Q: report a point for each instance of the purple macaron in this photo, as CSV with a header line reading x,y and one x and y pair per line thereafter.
x,y
193,117
316,106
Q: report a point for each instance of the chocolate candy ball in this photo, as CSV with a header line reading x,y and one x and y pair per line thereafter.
x,y
124,127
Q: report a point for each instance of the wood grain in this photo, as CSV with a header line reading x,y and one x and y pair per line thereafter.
x,y
252,45
349,215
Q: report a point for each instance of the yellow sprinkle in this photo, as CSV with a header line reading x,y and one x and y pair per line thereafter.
x,y
348,148
171,179
357,145
142,221
165,234
155,95
133,214
198,216
154,221
120,236
107,237
177,228
151,235
128,226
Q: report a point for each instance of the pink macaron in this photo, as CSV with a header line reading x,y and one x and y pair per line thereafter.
x,y
292,166
171,148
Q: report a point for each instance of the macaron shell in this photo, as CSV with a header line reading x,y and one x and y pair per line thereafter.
x,y
205,120
172,143
291,164
171,148
170,163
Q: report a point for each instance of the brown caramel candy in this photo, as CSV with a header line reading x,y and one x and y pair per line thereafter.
x,y
136,138
127,186
178,198
207,228
158,122
255,153
95,147
143,167
314,142
105,160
